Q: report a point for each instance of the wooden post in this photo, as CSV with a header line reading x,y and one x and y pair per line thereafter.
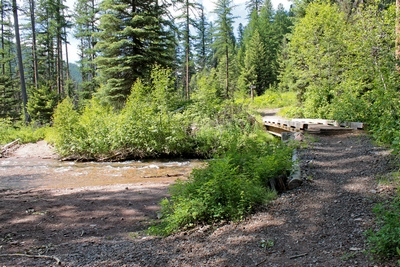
x,y
252,87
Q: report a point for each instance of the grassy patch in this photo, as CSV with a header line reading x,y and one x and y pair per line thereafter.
x,y
390,179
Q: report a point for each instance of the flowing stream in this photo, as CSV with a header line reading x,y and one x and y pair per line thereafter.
x,y
36,173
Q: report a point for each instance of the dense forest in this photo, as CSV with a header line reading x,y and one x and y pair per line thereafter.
x,y
339,58
158,79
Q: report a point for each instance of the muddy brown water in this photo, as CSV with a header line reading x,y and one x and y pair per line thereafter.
x,y
36,173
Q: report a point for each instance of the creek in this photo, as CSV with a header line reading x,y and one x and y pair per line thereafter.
x,y
36,173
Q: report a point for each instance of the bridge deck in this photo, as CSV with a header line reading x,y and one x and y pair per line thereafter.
x,y
277,126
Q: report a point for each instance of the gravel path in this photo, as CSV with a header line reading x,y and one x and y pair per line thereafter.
x,y
320,223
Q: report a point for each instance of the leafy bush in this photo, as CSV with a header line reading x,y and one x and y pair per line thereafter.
x,y
65,121
10,131
271,99
229,188
151,125
386,241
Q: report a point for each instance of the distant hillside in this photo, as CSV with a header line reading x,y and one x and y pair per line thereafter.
x,y
75,73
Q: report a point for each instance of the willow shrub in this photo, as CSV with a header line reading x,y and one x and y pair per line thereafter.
x,y
228,188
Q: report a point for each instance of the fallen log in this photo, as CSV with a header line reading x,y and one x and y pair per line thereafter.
x,y
163,176
32,256
8,146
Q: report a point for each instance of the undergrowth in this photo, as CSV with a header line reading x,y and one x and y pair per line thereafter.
x,y
153,123
385,242
10,131
228,189
271,99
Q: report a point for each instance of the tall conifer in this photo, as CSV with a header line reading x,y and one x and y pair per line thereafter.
x,y
133,37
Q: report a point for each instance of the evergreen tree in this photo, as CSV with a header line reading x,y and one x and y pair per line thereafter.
x,y
133,36
268,29
42,102
254,6
255,58
188,12
86,19
20,64
51,23
9,92
240,35
224,42
316,52
202,42
265,28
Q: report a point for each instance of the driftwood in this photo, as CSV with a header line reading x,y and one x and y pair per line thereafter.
x,y
162,176
32,256
298,256
8,146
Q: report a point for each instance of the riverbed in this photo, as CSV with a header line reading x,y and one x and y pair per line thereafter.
x,y
38,173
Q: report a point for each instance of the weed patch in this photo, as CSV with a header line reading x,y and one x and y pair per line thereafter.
x,y
385,242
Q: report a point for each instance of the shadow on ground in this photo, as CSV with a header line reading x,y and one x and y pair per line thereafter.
x,y
321,223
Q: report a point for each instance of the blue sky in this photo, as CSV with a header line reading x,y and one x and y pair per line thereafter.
x,y
239,11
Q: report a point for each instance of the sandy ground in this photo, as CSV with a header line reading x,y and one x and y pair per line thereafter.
x,y
40,149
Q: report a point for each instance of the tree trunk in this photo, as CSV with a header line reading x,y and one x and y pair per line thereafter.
x,y
397,34
227,72
66,53
3,64
187,78
20,64
34,49
59,57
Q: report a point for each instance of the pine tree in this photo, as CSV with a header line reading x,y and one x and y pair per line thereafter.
x,y
20,64
224,40
133,36
203,41
86,19
42,102
10,99
254,6
255,58
188,12
9,92
314,70
51,22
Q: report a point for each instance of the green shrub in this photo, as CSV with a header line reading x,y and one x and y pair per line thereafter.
x,y
65,123
385,242
151,125
229,188
26,134
271,99
215,193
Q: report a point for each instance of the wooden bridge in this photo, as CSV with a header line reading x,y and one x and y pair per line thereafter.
x,y
277,126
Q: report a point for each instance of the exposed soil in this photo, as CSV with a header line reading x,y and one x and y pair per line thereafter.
x,y
32,150
320,223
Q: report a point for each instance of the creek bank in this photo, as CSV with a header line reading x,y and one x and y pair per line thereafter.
x,y
320,223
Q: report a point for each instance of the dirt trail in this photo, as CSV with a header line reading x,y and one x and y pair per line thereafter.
x,y
320,223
